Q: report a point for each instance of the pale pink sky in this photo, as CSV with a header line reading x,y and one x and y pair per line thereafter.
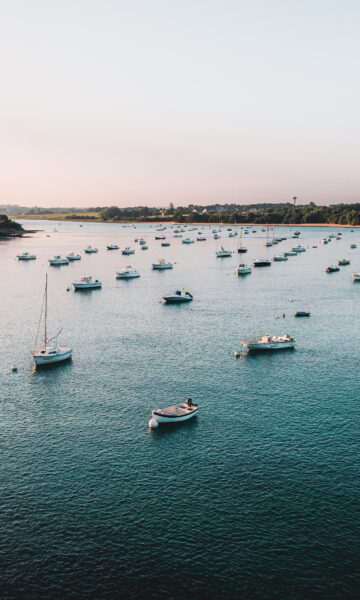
x,y
152,102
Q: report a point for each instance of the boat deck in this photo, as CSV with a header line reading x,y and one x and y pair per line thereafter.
x,y
178,410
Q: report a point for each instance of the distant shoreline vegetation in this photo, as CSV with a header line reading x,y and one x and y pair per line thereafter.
x,y
257,214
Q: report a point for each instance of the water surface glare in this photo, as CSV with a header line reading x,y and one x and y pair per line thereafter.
x,y
255,498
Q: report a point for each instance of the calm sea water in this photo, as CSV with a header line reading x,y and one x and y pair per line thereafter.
x,y
256,498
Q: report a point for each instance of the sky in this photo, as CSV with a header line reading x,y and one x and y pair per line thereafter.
x,y
147,102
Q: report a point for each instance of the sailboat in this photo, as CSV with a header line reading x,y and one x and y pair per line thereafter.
x,y
49,354
267,243
241,249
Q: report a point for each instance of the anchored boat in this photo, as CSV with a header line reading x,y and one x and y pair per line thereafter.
x,y
26,256
49,354
268,342
127,273
178,297
173,414
87,283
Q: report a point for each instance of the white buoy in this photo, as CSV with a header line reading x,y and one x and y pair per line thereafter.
x,y
153,423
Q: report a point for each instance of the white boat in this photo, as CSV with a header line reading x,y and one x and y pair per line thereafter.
x,y
127,273
178,297
160,237
142,242
352,246
355,276
280,257
127,250
49,354
165,244
201,238
342,262
187,241
173,414
112,247
161,264
216,236
223,253
57,261
298,249
90,250
267,342
290,253
144,247
71,256
324,241
26,256
87,283
243,269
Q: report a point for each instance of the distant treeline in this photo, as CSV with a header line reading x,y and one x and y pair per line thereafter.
x,y
344,214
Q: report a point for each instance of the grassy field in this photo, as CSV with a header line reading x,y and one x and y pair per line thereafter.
x,y
85,216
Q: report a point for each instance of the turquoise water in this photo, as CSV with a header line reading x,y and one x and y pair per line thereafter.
x,y
255,498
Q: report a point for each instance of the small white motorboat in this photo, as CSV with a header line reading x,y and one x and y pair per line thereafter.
x,y
298,248
57,261
243,269
279,258
145,247
342,262
142,242
72,256
90,250
201,238
161,264
178,297
173,414
87,283
223,253
353,246
127,273
324,241
267,342
112,247
187,241
160,237
165,244
26,256
355,276
128,250
290,253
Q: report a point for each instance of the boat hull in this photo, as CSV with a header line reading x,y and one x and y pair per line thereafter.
x,y
174,419
84,286
161,267
268,346
127,276
44,360
174,300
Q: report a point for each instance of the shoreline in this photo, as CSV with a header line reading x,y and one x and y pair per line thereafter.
x,y
200,223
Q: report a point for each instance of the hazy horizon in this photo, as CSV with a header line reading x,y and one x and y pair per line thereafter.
x,y
147,103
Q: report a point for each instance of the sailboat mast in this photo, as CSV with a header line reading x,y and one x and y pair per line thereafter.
x,y
45,308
